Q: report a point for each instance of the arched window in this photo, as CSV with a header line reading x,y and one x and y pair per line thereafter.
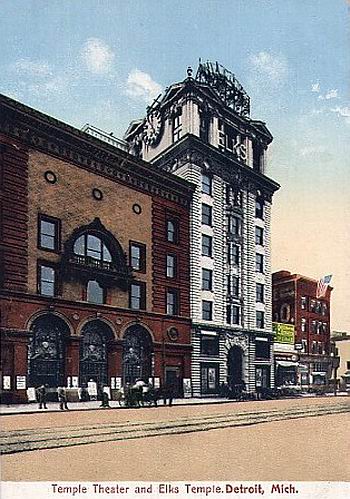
x,y
88,245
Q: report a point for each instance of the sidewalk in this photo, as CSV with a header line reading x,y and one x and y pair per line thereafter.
x,y
32,408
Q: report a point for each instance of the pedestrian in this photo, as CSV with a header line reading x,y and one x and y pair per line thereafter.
x,y
62,398
168,394
104,400
41,394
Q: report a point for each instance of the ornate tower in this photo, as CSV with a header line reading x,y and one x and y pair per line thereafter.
x,y
201,130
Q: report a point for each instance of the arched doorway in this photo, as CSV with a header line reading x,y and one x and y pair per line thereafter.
x,y
137,354
93,352
235,366
46,353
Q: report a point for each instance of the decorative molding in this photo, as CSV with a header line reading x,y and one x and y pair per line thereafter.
x,y
55,138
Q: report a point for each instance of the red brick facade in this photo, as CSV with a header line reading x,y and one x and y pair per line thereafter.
x,y
295,302
50,171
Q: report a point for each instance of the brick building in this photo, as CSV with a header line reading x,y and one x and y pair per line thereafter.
x,y
94,260
295,303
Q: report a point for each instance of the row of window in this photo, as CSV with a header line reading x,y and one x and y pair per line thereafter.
x,y
316,327
95,293
233,314
89,245
209,346
234,197
234,224
313,305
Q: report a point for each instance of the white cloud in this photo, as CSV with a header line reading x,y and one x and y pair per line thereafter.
x,y
331,94
97,56
32,68
140,85
312,150
271,66
315,87
344,112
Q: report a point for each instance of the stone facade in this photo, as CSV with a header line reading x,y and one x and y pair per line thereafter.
x,y
213,144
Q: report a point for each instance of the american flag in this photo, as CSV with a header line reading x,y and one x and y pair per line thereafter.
x,y
322,286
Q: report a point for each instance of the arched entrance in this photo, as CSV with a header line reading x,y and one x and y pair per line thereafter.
x,y
235,366
46,353
93,352
137,354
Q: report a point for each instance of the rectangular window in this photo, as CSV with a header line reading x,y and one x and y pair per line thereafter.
x,y
260,292
259,236
259,262
303,325
177,126
324,308
207,310
312,307
48,233
304,343
209,378
314,327
235,226
207,279
206,184
138,257
259,208
260,318
171,266
209,345
233,254
207,215
233,314
234,286
303,303
172,230
46,280
207,245
172,302
137,296
262,349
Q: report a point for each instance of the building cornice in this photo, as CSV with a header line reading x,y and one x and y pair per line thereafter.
x,y
190,149
51,136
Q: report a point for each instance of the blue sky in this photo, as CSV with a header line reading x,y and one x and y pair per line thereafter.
x,y
103,61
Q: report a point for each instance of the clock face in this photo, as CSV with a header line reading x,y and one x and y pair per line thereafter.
x,y
152,127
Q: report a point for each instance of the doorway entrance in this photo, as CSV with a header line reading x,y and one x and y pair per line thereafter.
x,y
235,366
47,349
173,379
93,352
137,355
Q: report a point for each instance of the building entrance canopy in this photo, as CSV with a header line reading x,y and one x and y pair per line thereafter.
x,y
285,363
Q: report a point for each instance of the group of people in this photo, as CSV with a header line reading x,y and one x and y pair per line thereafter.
x,y
41,396
134,395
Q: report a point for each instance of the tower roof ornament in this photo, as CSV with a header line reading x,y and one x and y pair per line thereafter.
x,y
225,85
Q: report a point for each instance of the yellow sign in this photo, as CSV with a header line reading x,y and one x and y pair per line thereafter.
x,y
284,333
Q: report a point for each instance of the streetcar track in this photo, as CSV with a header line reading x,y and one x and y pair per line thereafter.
x,y
12,443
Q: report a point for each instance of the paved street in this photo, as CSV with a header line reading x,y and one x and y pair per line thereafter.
x,y
303,439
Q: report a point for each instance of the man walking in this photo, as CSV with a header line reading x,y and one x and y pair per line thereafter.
x,y
41,394
62,398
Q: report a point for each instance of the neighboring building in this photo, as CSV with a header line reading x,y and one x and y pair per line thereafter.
x,y
94,260
202,131
295,303
341,340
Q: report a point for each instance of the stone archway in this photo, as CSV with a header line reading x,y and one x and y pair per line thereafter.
x,y
93,365
46,353
137,354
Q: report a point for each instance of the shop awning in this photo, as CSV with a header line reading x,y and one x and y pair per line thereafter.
x,y
285,363
321,373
